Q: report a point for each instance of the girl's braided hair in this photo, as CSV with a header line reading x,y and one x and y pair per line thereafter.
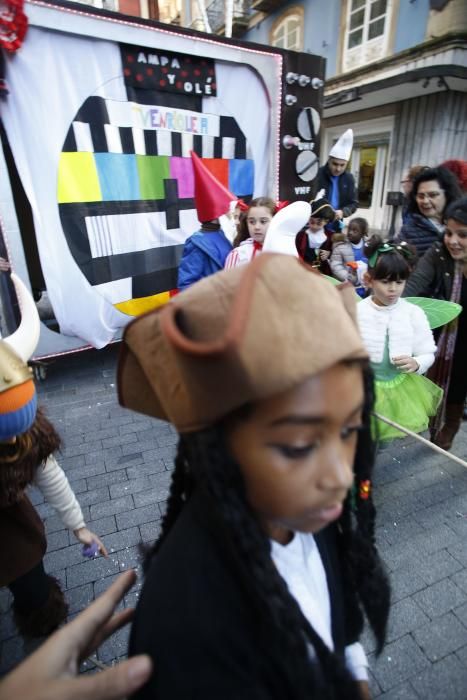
x,y
203,459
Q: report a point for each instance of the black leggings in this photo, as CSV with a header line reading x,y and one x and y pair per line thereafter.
x,y
458,385
31,590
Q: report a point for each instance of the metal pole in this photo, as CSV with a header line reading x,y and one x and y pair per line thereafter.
x,y
229,4
426,442
204,16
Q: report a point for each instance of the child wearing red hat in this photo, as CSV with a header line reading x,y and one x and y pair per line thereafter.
x,y
205,250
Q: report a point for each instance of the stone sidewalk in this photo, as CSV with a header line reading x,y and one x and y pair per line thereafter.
x,y
119,466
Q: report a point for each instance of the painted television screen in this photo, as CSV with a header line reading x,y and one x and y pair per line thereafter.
x,y
111,181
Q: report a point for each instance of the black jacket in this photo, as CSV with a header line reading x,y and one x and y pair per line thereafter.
x,y
200,620
419,232
433,275
348,199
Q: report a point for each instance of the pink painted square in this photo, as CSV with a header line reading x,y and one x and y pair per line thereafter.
x,y
181,169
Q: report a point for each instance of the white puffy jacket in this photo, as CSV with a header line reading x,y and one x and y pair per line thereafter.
x,y
407,328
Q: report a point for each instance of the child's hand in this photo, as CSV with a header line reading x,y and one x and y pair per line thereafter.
x,y
406,364
324,254
87,537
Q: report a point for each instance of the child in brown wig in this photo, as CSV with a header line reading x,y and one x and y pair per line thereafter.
x,y
27,443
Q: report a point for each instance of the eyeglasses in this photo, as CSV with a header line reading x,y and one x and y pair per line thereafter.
x,y
428,195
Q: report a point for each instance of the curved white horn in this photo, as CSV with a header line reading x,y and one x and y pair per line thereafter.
x,y
320,195
25,338
280,237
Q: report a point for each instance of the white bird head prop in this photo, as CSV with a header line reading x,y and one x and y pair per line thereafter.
x,y
280,237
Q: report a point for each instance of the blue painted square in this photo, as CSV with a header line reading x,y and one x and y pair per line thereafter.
x,y
118,176
241,177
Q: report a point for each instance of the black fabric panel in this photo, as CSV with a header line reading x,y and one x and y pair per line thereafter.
x,y
150,139
229,127
218,147
76,235
167,99
70,142
126,137
142,262
99,140
172,204
176,144
198,145
154,283
93,110
78,210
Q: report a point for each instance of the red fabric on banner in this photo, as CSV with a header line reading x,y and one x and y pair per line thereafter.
x,y
219,168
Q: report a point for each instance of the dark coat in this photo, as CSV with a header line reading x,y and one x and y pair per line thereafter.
x,y
310,255
22,540
419,232
348,199
204,253
22,535
433,275
202,622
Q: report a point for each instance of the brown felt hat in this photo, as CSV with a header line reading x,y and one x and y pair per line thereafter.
x,y
235,337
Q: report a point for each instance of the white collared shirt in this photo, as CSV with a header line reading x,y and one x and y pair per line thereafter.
x,y
300,565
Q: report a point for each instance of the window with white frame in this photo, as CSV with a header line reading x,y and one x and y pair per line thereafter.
x,y
287,33
367,32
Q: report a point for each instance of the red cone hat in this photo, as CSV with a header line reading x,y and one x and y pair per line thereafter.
x,y
212,199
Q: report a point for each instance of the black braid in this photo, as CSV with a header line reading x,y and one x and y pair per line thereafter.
x,y
364,571
181,488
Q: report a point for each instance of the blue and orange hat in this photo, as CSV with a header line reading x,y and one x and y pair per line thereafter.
x,y
18,398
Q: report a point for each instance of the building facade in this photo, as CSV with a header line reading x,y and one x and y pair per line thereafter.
x,y
396,72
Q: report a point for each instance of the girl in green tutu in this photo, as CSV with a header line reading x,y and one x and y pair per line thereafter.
x,y
399,340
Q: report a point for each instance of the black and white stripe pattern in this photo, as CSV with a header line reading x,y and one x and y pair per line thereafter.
x,y
92,136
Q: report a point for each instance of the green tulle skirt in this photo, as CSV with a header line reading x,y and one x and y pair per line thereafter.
x,y
408,399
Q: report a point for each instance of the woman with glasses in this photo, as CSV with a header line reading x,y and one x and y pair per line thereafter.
x,y
432,191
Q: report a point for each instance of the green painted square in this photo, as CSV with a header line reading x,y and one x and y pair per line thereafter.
x,y
152,171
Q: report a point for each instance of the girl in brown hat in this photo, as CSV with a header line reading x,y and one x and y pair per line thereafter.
x,y
266,564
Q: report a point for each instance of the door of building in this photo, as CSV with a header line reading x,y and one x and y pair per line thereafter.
x,y
368,166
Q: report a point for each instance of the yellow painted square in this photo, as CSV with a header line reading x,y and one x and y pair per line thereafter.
x,y
77,179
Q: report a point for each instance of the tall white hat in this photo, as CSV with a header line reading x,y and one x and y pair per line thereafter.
x,y
343,146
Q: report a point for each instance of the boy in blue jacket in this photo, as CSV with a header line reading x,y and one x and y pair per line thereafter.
x,y
205,250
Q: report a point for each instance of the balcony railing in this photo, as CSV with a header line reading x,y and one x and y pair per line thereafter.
x,y
216,16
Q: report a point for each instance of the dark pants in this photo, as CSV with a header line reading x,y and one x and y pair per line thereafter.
x,y
30,591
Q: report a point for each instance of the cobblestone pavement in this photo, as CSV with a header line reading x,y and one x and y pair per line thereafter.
x,y
119,466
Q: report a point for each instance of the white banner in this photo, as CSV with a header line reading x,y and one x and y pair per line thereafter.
x,y
86,157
